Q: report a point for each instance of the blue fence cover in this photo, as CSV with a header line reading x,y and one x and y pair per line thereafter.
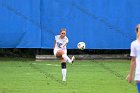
x,y
101,24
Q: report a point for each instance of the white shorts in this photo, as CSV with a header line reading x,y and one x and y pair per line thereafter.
x,y
55,51
137,77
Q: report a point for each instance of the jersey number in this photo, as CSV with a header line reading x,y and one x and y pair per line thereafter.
x,y
59,44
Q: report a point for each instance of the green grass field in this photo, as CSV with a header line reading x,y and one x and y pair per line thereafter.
x,y
84,76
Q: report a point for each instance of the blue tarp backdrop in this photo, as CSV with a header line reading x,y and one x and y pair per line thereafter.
x,y
101,24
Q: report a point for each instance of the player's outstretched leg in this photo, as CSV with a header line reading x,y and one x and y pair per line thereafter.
x,y
67,59
73,59
62,54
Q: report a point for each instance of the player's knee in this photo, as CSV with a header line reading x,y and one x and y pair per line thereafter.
x,y
63,65
59,53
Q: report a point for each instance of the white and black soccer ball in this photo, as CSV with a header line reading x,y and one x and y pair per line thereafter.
x,y
81,45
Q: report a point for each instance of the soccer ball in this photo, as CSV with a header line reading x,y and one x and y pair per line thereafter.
x,y
81,45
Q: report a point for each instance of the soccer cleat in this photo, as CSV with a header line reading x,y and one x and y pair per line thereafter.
x,y
73,59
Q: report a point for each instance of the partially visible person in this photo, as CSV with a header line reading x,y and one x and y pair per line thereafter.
x,y
60,51
135,60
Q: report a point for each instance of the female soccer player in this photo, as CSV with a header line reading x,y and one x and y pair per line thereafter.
x,y
135,60
60,51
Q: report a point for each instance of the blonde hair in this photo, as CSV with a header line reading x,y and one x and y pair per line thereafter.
x,y
63,29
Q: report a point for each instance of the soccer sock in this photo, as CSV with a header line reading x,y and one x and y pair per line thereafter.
x,y
138,87
64,70
67,59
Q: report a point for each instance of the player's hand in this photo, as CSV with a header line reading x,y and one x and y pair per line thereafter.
x,y
129,78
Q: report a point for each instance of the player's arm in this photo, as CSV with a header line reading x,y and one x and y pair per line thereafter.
x,y
54,43
64,44
132,69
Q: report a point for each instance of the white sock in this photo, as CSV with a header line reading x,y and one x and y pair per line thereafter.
x,y
67,59
64,71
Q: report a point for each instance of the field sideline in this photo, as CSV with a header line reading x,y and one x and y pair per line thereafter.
x,y
84,76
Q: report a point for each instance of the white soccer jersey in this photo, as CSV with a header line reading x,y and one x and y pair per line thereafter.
x,y
135,52
60,42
